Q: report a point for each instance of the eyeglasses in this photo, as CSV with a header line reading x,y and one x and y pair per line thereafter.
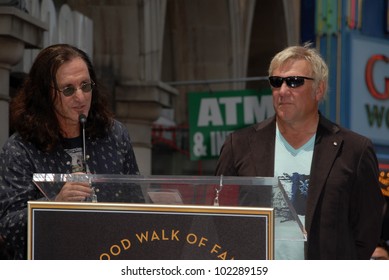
x,y
70,90
291,81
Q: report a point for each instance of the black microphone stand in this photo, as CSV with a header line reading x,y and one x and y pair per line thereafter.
x,y
82,119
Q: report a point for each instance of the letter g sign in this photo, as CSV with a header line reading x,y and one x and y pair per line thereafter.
x,y
369,77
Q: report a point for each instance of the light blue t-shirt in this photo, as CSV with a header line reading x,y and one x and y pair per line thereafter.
x,y
292,167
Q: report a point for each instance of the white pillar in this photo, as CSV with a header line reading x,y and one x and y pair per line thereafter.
x,y
138,105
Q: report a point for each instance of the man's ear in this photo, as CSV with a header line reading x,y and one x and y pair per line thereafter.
x,y
320,90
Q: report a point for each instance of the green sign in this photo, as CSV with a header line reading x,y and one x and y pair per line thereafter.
x,y
213,115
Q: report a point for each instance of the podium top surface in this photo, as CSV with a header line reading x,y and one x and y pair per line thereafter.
x,y
192,180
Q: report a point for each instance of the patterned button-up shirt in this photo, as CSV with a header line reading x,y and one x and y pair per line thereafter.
x,y
19,160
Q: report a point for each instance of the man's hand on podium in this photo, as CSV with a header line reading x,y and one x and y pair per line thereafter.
x,y
74,191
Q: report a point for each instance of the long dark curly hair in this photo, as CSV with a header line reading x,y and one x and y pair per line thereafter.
x,y
32,110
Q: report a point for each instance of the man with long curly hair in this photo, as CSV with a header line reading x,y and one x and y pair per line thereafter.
x,y
60,88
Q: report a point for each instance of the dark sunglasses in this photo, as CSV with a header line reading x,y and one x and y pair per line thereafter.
x,y
85,87
291,81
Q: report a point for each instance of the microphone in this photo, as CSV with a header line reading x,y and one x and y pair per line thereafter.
x,y
82,119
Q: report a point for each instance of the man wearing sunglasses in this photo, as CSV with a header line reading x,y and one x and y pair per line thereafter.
x,y
330,173
59,100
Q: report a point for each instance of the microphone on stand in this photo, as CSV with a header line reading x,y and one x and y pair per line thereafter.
x,y
82,119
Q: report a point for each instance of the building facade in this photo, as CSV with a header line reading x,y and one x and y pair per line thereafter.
x,y
151,53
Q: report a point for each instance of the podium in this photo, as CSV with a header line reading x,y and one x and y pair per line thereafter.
x,y
171,217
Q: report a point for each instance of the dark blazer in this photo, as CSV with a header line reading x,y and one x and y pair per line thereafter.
x,y
344,204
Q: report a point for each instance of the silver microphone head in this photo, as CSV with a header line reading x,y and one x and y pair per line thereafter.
x,y
82,118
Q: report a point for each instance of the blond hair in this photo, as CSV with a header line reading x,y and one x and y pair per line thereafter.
x,y
318,66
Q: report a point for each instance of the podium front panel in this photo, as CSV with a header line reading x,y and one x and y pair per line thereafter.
x,y
87,231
